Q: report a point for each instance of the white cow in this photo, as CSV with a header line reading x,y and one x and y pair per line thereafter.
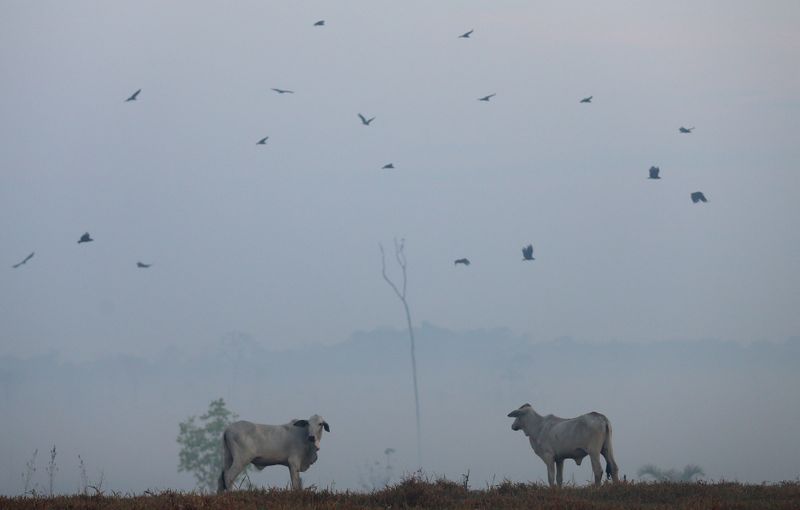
x,y
555,439
294,445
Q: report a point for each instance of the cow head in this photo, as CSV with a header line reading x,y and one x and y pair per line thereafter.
x,y
519,415
314,427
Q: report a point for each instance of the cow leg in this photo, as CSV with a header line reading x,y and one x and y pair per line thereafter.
x,y
611,464
559,471
294,474
551,470
596,467
221,482
230,474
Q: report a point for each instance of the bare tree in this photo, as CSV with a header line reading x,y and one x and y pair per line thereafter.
x,y
400,257
30,469
51,469
84,487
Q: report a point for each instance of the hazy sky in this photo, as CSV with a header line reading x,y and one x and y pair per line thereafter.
x,y
281,241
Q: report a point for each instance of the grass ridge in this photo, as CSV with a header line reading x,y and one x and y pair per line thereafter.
x,y
419,493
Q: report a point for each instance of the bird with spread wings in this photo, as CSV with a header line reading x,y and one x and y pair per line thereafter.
x,y
24,261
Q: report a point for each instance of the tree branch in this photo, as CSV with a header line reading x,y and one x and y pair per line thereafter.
x,y
400,255
385,277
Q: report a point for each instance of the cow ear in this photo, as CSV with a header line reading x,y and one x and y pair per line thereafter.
x,y
301,423
325,426
519,412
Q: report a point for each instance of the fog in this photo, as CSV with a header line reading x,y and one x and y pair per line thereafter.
x,y
683,314
716,404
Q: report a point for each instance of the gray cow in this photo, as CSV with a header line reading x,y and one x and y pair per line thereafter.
x,y
294,445
555,439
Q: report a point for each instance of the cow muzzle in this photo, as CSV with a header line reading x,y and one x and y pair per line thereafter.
x,y
312,439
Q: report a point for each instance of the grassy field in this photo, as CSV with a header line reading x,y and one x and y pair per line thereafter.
x,y
415,493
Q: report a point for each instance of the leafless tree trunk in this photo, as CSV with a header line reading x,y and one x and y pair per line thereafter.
x,y
400,256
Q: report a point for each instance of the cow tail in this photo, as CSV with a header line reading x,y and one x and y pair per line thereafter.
x,y
608,441
611,464
227,461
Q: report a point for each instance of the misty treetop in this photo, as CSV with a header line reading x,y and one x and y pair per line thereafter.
x,y
200,440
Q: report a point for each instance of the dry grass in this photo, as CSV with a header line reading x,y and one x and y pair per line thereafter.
x,y
442,494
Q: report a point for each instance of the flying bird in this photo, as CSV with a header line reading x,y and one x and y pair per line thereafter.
x,y
387,166
466,35
587,99
527,252
462,261
143,265
133,96
283,91
685,130
263,141
486,98
85,238
365,120
24,261
320,23
698,196
654,172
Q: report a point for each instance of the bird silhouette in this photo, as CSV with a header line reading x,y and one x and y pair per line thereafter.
x,y
24,261
283,91
387,166
587,99
466,35
320,23
464,261
486,98
85,238
685,130
527,252
263,141
143,265
698,196
133,96
365,120
654,172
